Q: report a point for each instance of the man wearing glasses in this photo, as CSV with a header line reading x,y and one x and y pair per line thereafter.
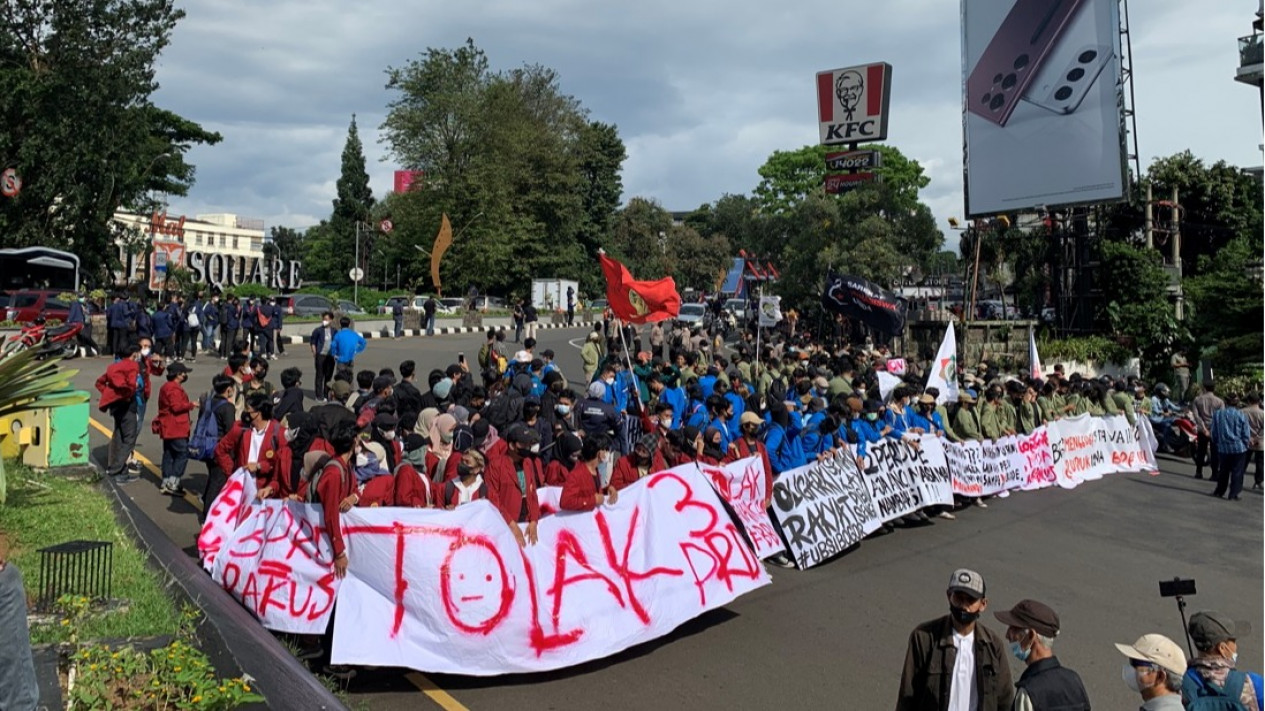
x,y
1154,670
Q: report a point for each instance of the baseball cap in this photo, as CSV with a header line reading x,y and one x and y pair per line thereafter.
x,y
821,383
967,581
442,388
1156,649
967,396
597,390
480,429
926,399
178,368
1210,628
341,389
1031,615
750,418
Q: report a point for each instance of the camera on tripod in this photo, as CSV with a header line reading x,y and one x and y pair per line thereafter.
x,y
1179,588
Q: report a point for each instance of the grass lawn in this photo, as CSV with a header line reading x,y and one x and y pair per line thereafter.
x,y
45,510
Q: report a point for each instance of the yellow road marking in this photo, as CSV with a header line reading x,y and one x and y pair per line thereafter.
x,y
434,693
154,469
421,681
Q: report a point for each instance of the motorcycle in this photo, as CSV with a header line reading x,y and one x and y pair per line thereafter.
x,y
52,342
1179,439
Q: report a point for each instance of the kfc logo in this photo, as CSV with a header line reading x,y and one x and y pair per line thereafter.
x,y
852,103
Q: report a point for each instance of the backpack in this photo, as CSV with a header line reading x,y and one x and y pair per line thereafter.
x,y
483,356
192,319
206,433
1199,695
505,409
313,497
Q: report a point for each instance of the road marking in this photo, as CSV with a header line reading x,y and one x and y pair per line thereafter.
x,y
434,693
421,681
145,462
573,343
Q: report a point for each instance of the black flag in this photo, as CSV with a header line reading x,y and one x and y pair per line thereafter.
x,y
865,301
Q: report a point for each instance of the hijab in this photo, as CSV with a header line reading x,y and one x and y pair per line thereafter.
x,y
439,425
424,420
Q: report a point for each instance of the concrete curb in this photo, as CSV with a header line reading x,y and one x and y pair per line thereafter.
x,y
385,332
232,638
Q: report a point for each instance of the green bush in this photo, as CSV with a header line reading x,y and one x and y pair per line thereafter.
x,y
1083,350
176,676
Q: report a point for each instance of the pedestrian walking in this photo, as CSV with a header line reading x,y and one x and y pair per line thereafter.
x,y
954,662
1203,408
1256,447
119,385
532,319
397,315
570,305
1154,671
1231,435
1045,685
172,426
210,315
79,314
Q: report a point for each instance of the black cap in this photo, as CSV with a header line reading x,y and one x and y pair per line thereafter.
x,y
178,368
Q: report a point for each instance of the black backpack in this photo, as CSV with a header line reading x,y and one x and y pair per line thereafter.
x,y
206,433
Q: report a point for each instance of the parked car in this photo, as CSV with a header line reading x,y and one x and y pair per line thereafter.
x,y
385,308
692,316
26,306
304,304
350,308
598,304
453,304
419,303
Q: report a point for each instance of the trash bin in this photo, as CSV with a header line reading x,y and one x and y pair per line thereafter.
x,y
52,433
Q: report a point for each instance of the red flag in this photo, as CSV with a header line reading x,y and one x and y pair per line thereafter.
x,y
639,301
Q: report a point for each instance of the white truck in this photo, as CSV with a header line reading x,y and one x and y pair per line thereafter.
x,y
549,295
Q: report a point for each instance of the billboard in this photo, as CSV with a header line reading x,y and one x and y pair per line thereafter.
x,y
852,103
405,179
166,255
1042,106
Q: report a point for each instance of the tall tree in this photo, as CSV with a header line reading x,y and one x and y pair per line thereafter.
x,y
77,123
334,254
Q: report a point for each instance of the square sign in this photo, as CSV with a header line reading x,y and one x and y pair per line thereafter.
x,y
852,103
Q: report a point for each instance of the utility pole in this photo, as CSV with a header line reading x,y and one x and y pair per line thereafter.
x,y
1150,220
1180,306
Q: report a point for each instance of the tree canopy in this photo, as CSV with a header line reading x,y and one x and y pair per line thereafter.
x,y
77,123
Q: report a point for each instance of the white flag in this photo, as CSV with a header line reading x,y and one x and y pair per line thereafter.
x,y
770,311
944,370
1034,360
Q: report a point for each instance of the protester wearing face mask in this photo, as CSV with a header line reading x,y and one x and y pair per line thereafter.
x,y
511,476
119,387
1045,685
385,432
413,488
255,443
1212,672
924,419
954,662
469,484
583,490
644,461
376,485
172,426
1154,670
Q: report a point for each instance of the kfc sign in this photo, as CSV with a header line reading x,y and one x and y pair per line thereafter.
x,y
852,103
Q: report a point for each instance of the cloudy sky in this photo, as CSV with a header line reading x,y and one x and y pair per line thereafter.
x,y
702,91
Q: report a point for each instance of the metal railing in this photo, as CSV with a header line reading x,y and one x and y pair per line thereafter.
x,y
75,568
1251,50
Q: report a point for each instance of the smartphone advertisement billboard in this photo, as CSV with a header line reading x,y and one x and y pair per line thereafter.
x,y
1042,107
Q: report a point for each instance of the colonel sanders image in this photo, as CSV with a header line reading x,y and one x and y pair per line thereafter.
x,y
848,89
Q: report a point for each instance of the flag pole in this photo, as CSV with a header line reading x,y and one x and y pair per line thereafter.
x,y
628,360
759,305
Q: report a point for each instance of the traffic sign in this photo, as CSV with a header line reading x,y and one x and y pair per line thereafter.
x,y
356,274
10,183
386,225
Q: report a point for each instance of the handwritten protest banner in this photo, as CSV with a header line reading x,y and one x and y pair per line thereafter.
x,y
1037,460
451,591
823,508
229,509
902,478
741,484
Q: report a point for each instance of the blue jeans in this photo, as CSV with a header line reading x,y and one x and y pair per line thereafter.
x,y
208,337
175,459
399,326
430,325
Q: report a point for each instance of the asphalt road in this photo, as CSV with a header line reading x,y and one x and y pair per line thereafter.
x,y
834,636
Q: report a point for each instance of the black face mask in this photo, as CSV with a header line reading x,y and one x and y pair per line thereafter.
x,y
525,453
464,470
962,616
247,420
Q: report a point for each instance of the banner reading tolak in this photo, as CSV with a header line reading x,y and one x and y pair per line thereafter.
x,y
451,591
742,484
823,509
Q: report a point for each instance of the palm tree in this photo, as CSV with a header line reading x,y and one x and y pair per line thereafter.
x,y
27,383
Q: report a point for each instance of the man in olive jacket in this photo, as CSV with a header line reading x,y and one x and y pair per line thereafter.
x,y
954,663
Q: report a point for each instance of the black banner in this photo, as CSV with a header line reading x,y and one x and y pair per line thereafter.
x,y
865,301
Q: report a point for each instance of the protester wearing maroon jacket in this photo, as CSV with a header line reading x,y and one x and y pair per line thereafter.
x,y
255,443
118,386
511,480
644,461
566,453
413,488
172,425
469,484
335,491
582,491
748,445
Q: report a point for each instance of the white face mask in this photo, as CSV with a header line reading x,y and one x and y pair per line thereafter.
x,y
289,434
666,422
388,435
362,460
145,352
604,457
325,324
247,370
535,448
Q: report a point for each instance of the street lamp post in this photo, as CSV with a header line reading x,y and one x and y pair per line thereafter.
x,y
356,271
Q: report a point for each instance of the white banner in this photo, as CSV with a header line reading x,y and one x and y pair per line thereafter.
x,y
944,369
903,477
742,485
1034,360
770,311
823,508
451,591
896,366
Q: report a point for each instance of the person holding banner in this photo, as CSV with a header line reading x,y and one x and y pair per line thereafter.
x,y
954,662
644,461
582,490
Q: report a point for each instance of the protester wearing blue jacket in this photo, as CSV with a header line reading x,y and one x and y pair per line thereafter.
x,y
785,452
346,345
925,418
675,397
162,331
868,429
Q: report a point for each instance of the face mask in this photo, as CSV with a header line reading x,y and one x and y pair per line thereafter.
x,y
325,324
666,422
289,434
562,409
362,460
962,616
145,352
247,370
871,416
604,457
388,435
464,470
247,419
750,430
609,381
525,452
446,438
1018,652
1129,676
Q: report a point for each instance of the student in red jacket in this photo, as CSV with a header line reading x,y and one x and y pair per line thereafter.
x,y
377,485
119,386
749,444
511,481
644,461
566,453
413,488
334,489
583,490
255,443
469,484
172,425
